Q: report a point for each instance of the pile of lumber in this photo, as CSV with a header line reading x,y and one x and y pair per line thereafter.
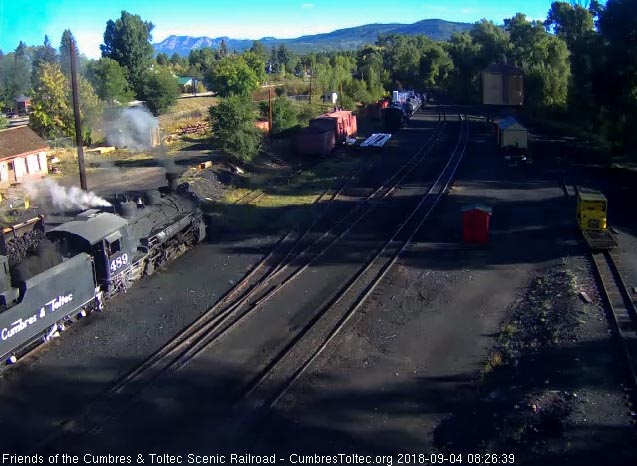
x,y
376,140
194,128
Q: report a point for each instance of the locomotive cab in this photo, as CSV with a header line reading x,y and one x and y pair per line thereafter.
x,y
102,236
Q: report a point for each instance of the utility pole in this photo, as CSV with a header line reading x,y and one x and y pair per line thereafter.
x,y
270,110
78,122
311,73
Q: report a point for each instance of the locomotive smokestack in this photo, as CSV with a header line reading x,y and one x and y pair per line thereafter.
x,y
171,177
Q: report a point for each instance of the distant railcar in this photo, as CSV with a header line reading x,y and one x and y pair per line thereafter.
x,y
592,211
315,141
342,122
394,117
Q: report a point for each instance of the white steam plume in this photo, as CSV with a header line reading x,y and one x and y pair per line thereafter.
x,y
60,197
132,129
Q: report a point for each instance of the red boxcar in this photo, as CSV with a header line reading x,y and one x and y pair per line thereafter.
x,y
342,122
315,141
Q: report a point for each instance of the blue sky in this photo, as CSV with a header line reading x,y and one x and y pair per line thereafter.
x,y
30,20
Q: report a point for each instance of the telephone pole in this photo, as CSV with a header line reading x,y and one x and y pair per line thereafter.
x,y
270,110
78,122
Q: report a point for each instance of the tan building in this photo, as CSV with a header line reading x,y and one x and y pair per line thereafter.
x,y
22,155
503,84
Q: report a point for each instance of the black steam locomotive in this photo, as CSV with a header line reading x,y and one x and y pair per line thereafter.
x,y
49,279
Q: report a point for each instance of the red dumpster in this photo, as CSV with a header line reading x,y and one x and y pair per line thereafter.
x,y
475,224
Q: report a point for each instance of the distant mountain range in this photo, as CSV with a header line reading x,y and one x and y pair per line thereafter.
x,y
341,39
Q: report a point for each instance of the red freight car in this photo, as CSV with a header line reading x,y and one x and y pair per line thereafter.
x,y
342,122
315,141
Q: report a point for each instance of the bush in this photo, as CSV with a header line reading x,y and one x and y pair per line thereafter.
x,y
284,115
160,90
4,122
309,111
233,131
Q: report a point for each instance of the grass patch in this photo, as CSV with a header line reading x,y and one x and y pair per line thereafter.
x,y
193,103
283,206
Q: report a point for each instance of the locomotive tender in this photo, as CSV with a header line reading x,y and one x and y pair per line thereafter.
x,y
402,108
85,261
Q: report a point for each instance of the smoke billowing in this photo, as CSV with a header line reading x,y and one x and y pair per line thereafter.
x,y
133,128
48,192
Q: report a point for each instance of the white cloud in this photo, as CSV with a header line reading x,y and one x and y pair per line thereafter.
x,y
307,5
465,11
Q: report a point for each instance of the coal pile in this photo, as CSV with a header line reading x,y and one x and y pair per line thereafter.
x,y
204,183
20,247
43,257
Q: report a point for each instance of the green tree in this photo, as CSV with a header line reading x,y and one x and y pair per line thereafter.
x,y
575,25
42,54
232,75
202,59
160,90
127,41
463,82
162,59
616,80
65,52
571,23
256,64
21,73
91,108
357,90
492,41
177,60
52,104
283,57
109,80
284,115
435,66
369,62
259,49
232,123
51,116
545,60
222,51
15,78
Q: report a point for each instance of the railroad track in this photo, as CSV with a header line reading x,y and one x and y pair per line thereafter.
x,y
271,385
255,195
292,255
622,312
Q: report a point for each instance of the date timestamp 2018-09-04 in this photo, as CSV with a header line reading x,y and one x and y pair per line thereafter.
x,y
456,458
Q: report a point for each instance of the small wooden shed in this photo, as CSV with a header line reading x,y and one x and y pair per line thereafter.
x,y
511,133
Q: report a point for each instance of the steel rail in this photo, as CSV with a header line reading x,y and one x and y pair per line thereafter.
x,y
378,265
622,313
196,329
